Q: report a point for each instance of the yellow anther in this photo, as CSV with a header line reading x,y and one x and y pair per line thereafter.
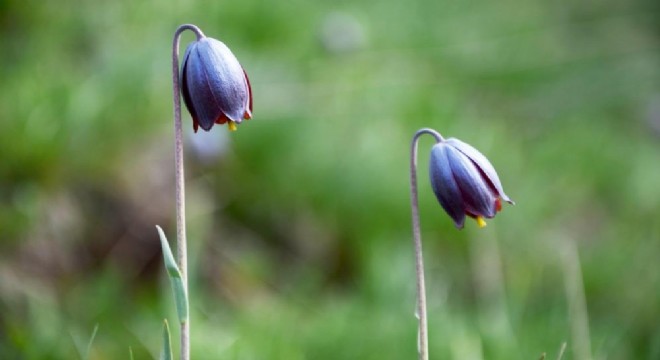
x,y
480,221
232,126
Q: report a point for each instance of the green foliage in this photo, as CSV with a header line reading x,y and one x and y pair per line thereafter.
x,y
91,341
178,287
302,243
166,352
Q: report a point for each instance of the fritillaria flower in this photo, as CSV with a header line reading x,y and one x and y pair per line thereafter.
x,y
215,88
465,182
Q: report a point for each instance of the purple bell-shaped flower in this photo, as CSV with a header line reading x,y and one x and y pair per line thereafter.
x,y
215,88
465,182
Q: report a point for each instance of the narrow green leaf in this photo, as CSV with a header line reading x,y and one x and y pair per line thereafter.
x,y
166,352
561,350
130,353
91,341
180,292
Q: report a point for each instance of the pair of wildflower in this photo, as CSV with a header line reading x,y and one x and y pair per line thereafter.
x,y
216,90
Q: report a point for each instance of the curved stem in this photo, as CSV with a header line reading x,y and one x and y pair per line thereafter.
x,y
179,179
422,345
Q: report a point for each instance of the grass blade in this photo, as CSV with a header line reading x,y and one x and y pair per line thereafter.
x,y
166,352
91,341
561,351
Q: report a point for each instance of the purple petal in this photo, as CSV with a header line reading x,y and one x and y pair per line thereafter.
x,y
184,86
224,77
483,164
444,185
478,198
206,105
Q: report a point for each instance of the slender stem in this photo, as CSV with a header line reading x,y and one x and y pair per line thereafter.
x,y
422,345
179,181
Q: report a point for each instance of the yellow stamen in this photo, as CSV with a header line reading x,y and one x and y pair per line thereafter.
x,y
480,221
232,126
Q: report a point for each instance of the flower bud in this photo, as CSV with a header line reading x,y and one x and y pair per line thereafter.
x,y
215,88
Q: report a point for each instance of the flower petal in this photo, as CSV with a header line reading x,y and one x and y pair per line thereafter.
x,y
185,92
248,114
203,100
478,198
225,78
444,185
482,163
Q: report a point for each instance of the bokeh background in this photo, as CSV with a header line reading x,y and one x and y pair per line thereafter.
x,y
299,222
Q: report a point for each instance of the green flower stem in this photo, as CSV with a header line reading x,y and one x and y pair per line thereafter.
x,y
180,189
422,340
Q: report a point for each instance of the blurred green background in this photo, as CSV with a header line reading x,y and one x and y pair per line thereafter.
x,y
299,222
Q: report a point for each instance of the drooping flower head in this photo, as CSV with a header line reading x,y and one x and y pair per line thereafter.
x,y
215,88
465,182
